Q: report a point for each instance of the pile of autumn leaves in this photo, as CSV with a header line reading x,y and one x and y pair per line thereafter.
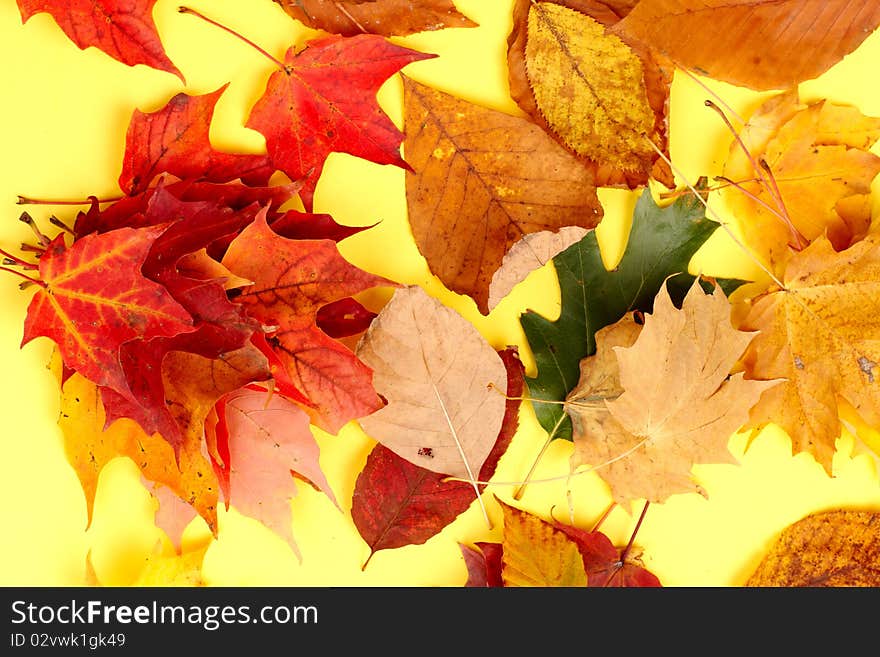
x,y
198,309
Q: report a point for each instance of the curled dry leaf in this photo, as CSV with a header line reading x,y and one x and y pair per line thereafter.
x,y
833,548
480,181
124,29
761,44
821,333
680,404
531,252
385,17
604,98
437,373
822,171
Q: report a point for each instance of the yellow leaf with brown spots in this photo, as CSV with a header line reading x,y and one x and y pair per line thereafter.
x,y
604,99
838,548
821,333
821,176
535,553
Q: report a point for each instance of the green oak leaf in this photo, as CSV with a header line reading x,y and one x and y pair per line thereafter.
x,y
661,242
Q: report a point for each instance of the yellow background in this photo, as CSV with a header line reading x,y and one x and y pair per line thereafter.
x,y
64,116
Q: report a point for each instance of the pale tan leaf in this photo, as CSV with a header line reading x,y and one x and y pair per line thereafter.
x,y
680,405
436,372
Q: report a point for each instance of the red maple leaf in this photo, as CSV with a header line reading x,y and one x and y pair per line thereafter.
x,y
124,29
293,279
324,100
175,140
94,298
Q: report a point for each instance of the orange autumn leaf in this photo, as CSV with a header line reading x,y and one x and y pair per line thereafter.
x,y
821,168
832,548
193,384
761,44
820,333
679,404
480,181
89,448
385,17
535,553
604,98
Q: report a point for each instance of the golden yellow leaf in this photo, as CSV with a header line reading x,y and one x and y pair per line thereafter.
x,y
535,553
834,548
819,158
679,404
821,333
89,447
602,98
190,398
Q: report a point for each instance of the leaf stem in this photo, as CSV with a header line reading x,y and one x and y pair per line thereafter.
x,y
265,53
27,200
29,220
718,219
27,278
521,489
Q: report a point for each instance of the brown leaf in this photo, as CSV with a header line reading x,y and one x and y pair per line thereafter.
x,y
480,180
531,252
820,160
535,553
679,405
385,17
602,97
821,333
761,44
834,548
435,370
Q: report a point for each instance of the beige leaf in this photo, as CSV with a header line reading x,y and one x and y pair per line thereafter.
x,y
679,406
435,371
530,253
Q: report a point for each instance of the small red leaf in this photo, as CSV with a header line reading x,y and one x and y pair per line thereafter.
x,y
124,29
175,139
344,318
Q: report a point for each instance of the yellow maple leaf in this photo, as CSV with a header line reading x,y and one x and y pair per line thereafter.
x,y
821,332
